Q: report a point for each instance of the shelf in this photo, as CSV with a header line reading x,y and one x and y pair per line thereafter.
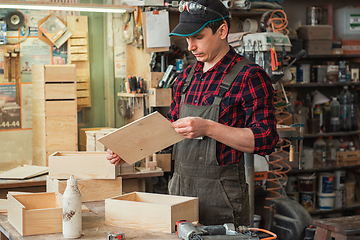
x,y
351,207
120,94
326,84
321,169
334,56
334,134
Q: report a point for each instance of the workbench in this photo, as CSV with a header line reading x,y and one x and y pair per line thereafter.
x,y
93,227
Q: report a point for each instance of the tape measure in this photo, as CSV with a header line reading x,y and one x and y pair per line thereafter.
x,y
115,235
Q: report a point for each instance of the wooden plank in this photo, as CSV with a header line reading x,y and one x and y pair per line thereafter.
x,y
60,124
135,141
85,165
78,49
78,57
78,41
60,73
66,141
42,221
60,91
83,93
23,172
3,206
161,98
137,209
60,108
15,213
91,189
163,161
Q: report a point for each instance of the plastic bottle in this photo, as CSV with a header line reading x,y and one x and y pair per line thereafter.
x,y
335,115
345,107
320,153
72,213
354,108
332,146
327,117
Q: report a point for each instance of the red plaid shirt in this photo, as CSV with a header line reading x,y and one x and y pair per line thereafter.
x,y
249,103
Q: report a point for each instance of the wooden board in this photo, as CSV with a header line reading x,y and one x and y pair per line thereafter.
x,y
141,138
3,206
23,172
349,225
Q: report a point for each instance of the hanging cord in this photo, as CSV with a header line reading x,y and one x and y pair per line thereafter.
x,y
278,24
11,41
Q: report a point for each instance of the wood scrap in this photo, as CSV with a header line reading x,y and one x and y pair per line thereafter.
x,y
23,172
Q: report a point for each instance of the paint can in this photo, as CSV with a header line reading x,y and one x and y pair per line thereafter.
x,y
326,183
307,200
303,73
326,201
306,183
339,180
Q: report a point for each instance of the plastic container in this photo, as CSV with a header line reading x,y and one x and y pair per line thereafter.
x,y
72,212
335,115
350,192
308,158
339,199
320,153
332,146
354,108
339,179
326,201
327,117
346,23
306,183
257,219
345,108
326,183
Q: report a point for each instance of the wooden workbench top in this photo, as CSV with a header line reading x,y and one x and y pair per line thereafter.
x,y
93,228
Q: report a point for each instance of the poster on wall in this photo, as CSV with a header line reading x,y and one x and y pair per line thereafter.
x,y
10,32
26,105
34,51
9,110
31,20
2,80
59,55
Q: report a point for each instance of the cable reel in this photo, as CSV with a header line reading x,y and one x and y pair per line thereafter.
x,y
15,20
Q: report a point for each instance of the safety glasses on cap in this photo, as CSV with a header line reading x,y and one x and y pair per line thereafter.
x,y
195,8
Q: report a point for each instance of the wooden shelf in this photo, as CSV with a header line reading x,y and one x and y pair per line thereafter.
x,y
326,84
323,212
120,94
321,169
334,134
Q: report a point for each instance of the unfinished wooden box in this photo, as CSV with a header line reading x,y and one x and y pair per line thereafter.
x,y
54,111
35,213
90,189
155,212
160,97
163,161
83,137
349,158
155,78
82,165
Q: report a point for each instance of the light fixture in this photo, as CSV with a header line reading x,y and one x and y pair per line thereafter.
x,y
77,7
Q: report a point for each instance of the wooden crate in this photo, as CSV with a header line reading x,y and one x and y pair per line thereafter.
x,y
160,97
90,189
155,78
349,158
83,165
54,111
155,212
35,213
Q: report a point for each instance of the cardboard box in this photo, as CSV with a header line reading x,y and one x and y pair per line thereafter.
x,y
35,213
318,32
351,46
84,165
318,47
90,189
160,97
155,212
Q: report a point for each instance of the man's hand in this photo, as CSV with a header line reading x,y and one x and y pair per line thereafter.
x,y
114,158
191,127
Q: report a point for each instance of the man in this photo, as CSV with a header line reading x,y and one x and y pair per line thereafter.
x,y
223,106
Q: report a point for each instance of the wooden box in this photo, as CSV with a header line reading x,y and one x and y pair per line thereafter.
x,y
318,47
160,97
318,32
163,161
35,213
155,78
349,158
90,189
155,212
82,136
83,165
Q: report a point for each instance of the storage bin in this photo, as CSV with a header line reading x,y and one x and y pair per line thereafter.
x,y
346,24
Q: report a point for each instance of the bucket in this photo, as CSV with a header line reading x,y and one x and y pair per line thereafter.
x,y
292,184
350,192
257,219
326,183
306,183
307,200
326,201
308,158
303,73
339,179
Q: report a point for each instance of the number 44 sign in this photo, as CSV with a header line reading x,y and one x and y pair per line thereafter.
x,y
9,110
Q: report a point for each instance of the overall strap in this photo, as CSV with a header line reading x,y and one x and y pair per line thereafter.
x,y
229,79
187,83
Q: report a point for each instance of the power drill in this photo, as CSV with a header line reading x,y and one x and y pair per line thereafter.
x,y
115,235
187,231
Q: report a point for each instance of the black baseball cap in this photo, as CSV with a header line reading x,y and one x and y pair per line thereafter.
x,y
192,23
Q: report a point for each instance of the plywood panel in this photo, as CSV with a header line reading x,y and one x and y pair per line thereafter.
x,y
60,91
22,172
64,141
61,124
141,138
60,73
60,108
